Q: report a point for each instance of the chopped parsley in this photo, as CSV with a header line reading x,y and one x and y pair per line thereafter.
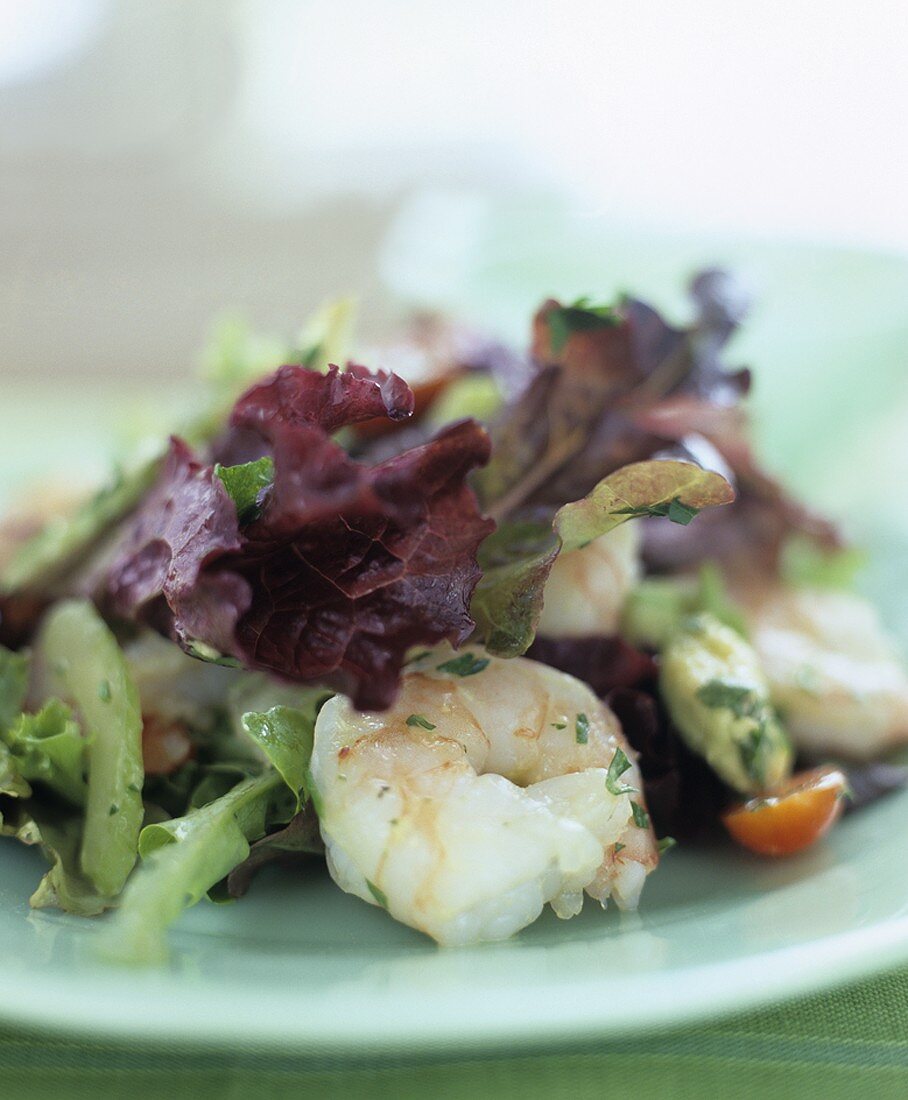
x,y
740,700
743,702
641,817
421,721
104,693
616,769
752,751
676,510
467,664
380,896
679,512
582,728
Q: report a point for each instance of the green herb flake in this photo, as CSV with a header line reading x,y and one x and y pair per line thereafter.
x,y
616,769
380,896
676,510
421,721
580,316
582,728
740,700
467,664
641,817
743,703
752,751
681,513
104,692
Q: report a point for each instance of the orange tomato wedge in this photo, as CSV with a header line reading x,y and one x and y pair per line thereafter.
x,y
791,817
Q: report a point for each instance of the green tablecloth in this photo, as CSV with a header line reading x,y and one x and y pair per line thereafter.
x,y
851,1043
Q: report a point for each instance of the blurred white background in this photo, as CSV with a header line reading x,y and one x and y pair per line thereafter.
x,y
162,160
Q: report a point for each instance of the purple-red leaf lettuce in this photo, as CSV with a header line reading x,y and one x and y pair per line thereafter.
x,y
347,566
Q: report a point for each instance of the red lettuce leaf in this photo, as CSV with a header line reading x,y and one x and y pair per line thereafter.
x,y
295,397
598,368
161,572
683,794
750,534
348,565
619,386
342,592
605,663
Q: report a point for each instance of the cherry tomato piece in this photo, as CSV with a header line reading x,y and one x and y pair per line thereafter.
x,y
791,817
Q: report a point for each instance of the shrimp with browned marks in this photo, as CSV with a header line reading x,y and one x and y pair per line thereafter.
x,y
491,788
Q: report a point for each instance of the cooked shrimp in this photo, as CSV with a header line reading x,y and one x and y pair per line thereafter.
x,y
587,588
479,797
832,670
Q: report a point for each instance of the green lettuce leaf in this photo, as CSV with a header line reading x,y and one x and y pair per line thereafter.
x,y
658,606
49,748
236,357
65,886
12,782
182,859
13,686
234,360
678,490
805,562
65,541
246,485
517,558
298,839
285,736
80,662
58,832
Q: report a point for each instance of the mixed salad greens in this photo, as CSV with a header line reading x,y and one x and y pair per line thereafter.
x,y
168,644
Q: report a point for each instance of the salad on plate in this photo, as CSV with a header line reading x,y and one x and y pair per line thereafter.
x,y
486,631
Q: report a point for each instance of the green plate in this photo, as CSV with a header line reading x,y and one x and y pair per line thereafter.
x,y
299,964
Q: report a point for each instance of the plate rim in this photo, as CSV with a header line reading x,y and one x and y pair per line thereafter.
x,y
577,1011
